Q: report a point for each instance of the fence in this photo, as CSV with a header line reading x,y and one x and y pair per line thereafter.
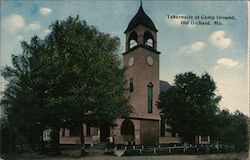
x,y
163,149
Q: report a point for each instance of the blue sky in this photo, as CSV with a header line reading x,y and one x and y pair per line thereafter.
x,y
219,50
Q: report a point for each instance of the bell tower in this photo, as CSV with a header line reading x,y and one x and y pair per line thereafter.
x,y
141,61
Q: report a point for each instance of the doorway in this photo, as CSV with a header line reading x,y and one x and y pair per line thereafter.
x,y
128,131
104,132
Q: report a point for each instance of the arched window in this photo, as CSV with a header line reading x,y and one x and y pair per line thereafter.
x,y
132,43
150,97
127,127
148,39
149,42
132,40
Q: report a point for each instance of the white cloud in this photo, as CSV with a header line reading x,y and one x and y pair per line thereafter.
x,y
13,22
193,48
16,22
45,11
226,63
19,38
220,40
46,31
196,47
34,26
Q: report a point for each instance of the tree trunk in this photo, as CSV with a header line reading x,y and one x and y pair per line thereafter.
x,y
41,140
82,140
57,140
13,143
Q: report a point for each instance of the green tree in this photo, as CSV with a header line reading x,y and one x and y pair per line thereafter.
x,y
21,122
232,129
72,76
189,105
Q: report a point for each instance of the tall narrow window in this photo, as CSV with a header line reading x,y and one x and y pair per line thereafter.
x,y
131,85
150,97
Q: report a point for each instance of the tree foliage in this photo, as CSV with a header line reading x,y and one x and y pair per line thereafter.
x,y
73,75
232,129
190,107
190,104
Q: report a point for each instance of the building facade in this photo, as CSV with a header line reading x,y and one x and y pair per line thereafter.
x,y
141,62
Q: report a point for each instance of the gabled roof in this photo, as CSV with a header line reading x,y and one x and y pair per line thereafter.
x,y
141,18
164,86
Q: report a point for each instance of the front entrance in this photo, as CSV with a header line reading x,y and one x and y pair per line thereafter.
x,y
104,132
128,131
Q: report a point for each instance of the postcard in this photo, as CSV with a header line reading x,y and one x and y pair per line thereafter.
x,y
137,73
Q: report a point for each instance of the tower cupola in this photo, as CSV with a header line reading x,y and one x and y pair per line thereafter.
x,y
141,32
141,18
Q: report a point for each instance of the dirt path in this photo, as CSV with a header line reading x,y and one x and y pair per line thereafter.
x,y
232,156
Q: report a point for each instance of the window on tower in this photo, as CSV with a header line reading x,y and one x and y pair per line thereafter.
x,y
131,85
149,42
148,39
132,43
150,97
132,40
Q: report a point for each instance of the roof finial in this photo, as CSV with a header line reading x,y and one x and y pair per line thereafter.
x,y
141,3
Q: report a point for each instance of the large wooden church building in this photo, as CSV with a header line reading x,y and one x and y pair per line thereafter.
x,y
141,60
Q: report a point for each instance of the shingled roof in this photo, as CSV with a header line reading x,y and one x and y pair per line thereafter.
x,y
164,86
141,18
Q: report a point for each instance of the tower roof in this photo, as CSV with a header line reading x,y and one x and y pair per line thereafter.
x,y
141,18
